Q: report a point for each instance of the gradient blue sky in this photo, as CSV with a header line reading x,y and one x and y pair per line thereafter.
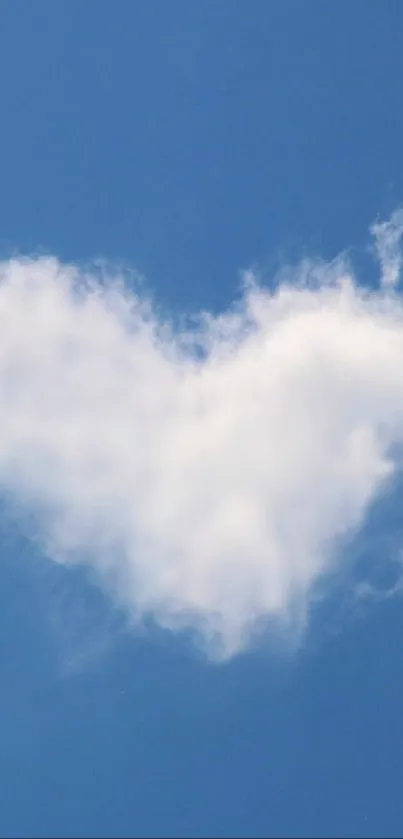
x,y
191,140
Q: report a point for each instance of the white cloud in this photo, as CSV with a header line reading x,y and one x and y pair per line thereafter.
x,y
205,475
388,235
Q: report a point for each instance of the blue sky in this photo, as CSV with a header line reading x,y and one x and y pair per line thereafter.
x,y
190,142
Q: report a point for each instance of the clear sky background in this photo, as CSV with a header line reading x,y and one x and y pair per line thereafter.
x,y
192,140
